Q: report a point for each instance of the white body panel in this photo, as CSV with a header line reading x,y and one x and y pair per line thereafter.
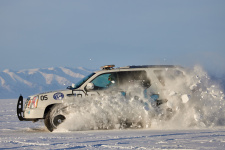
x,y
55,97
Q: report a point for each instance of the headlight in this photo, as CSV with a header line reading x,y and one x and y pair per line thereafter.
x,y
32,103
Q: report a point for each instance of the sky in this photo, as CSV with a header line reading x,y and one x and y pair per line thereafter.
x,y
87,33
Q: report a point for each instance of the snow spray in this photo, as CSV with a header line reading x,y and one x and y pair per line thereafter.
x,y
193,101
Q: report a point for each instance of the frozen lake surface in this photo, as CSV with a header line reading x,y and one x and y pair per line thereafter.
x,y
28,135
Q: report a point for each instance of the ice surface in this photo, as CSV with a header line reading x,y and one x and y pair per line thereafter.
x,y
27,135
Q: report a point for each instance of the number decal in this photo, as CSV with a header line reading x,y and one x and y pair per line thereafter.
x,y
44,97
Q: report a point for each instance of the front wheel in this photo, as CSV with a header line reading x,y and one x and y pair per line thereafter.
x,y
54,118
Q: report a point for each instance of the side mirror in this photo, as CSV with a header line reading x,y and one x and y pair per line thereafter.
x,y
71,87
90,86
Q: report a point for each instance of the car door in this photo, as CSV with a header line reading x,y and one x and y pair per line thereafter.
x,y
104,83
130,79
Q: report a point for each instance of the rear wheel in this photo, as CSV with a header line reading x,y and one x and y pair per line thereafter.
x,y
54,118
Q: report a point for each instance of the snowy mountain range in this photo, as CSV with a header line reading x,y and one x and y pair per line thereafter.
x,y
32,81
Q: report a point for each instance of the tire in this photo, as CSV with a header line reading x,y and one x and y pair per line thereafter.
x,y
54,118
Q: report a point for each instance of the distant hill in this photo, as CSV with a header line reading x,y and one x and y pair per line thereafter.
x,y
32,81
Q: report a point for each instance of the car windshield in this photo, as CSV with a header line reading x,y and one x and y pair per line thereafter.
x,y
79,83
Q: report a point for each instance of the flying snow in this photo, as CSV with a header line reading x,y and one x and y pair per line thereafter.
x,y
193,101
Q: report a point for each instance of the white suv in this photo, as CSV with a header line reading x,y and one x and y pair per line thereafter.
x,y
110,79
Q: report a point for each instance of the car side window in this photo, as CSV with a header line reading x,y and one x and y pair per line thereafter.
x,y
105,81
128,78
168,75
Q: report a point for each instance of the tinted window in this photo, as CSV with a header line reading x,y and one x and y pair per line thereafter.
x,y
127,78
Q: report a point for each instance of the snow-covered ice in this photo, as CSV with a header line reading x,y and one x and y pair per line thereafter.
x,y
26,135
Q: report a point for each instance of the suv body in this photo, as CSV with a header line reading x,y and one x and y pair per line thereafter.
x,y
39,106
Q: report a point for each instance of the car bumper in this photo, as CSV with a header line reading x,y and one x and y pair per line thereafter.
x,y
33,113
28,114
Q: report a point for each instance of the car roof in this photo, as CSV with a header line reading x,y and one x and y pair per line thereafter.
x,y
151,66
110,68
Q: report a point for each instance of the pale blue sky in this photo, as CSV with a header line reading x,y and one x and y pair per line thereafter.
x,y
92,33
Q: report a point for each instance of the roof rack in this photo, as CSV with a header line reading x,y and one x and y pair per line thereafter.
x,y
150,66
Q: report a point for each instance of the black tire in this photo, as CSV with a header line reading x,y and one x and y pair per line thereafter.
x,y
54,118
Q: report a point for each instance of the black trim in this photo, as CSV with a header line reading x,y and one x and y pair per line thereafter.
x,y
85,92
20,108
154,66
69,95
